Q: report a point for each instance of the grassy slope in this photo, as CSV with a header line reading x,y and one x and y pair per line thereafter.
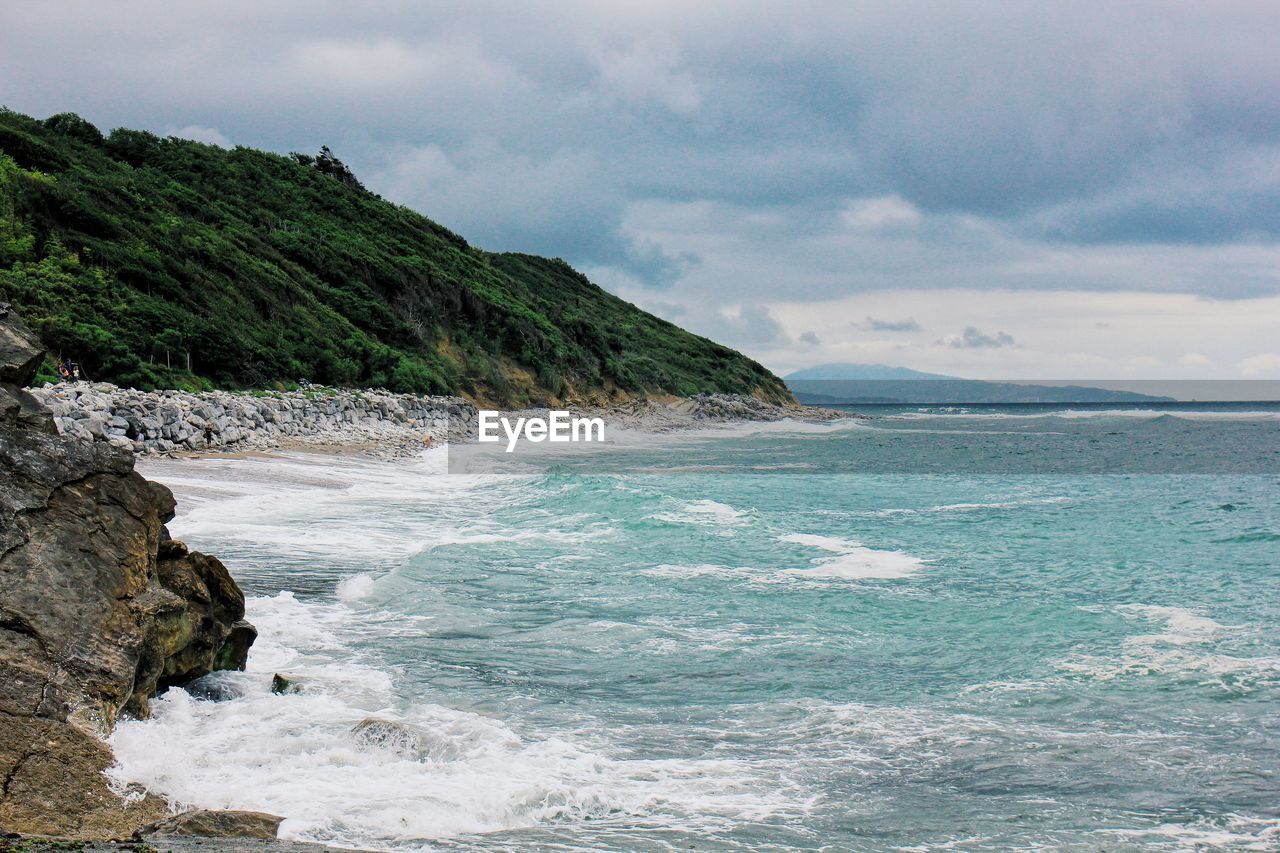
x,y
131,252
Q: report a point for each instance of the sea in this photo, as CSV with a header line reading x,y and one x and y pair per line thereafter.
x,y
936,628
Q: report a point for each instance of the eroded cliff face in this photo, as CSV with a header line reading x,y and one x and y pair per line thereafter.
x,y
99,609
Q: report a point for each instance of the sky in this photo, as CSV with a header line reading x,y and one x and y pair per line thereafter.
x,y
988,189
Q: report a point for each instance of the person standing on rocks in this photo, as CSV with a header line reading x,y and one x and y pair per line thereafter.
x,y
208,435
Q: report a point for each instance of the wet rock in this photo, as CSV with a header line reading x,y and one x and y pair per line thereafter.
x,y
20,349
282,684
93,618
215,823
55,782
402,738
215,688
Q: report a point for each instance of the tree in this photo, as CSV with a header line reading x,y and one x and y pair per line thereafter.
x,y
170,341
327,163
70,124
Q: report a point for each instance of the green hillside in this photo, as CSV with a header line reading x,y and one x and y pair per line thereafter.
x,y
138,256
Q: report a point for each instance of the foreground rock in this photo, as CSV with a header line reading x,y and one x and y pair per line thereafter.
x,y
99,610
210,823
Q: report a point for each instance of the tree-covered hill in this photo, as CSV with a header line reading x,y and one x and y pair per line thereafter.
x,y
168,263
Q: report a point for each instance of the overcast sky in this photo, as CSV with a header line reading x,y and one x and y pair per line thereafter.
x,y
1018,189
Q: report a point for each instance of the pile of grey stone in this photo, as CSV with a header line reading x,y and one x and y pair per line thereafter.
x,y
157,422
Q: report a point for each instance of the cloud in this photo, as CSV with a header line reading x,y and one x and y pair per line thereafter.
x,y
751,325
655,267
810,337
875,214
643,72
974,338
907,325
1161,128
1056,334
1195,359
200,133
1261,365
363,65
775,156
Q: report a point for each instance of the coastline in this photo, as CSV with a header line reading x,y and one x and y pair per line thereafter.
x,y
180,424
446,567
372,425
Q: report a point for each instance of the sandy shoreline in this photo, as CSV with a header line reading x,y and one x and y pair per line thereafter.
x,y
412,443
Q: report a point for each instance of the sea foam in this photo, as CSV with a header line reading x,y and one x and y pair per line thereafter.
x,y
296,755
852,560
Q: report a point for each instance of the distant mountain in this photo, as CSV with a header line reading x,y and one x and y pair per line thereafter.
x,y
879,372
842,384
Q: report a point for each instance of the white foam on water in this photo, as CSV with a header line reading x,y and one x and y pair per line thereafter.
x,y
885,738
295,754
355,587
1088,414
707,513
475,458
852,560
1016,504
1186,649
671,570
976,506
1181,625
721,513
740,429
345,510
1230,832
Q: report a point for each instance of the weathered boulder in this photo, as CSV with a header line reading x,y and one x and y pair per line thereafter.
x,y
401,738
282,684
95,616
226,823
20,349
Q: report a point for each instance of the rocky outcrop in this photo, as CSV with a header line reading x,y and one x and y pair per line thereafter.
x,y
209,823
99,610
165,421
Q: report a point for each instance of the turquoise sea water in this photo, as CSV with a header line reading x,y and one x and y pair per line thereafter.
x,y
938,629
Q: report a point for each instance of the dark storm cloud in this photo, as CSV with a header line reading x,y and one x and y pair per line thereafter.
x,y
907,325
540,127
974,338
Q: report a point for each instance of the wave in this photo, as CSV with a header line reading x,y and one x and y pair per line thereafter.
x,y
1089,414
852,560
1231,831
355,587
970,507
669,570
460,772
707,513
1186,650
889,512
